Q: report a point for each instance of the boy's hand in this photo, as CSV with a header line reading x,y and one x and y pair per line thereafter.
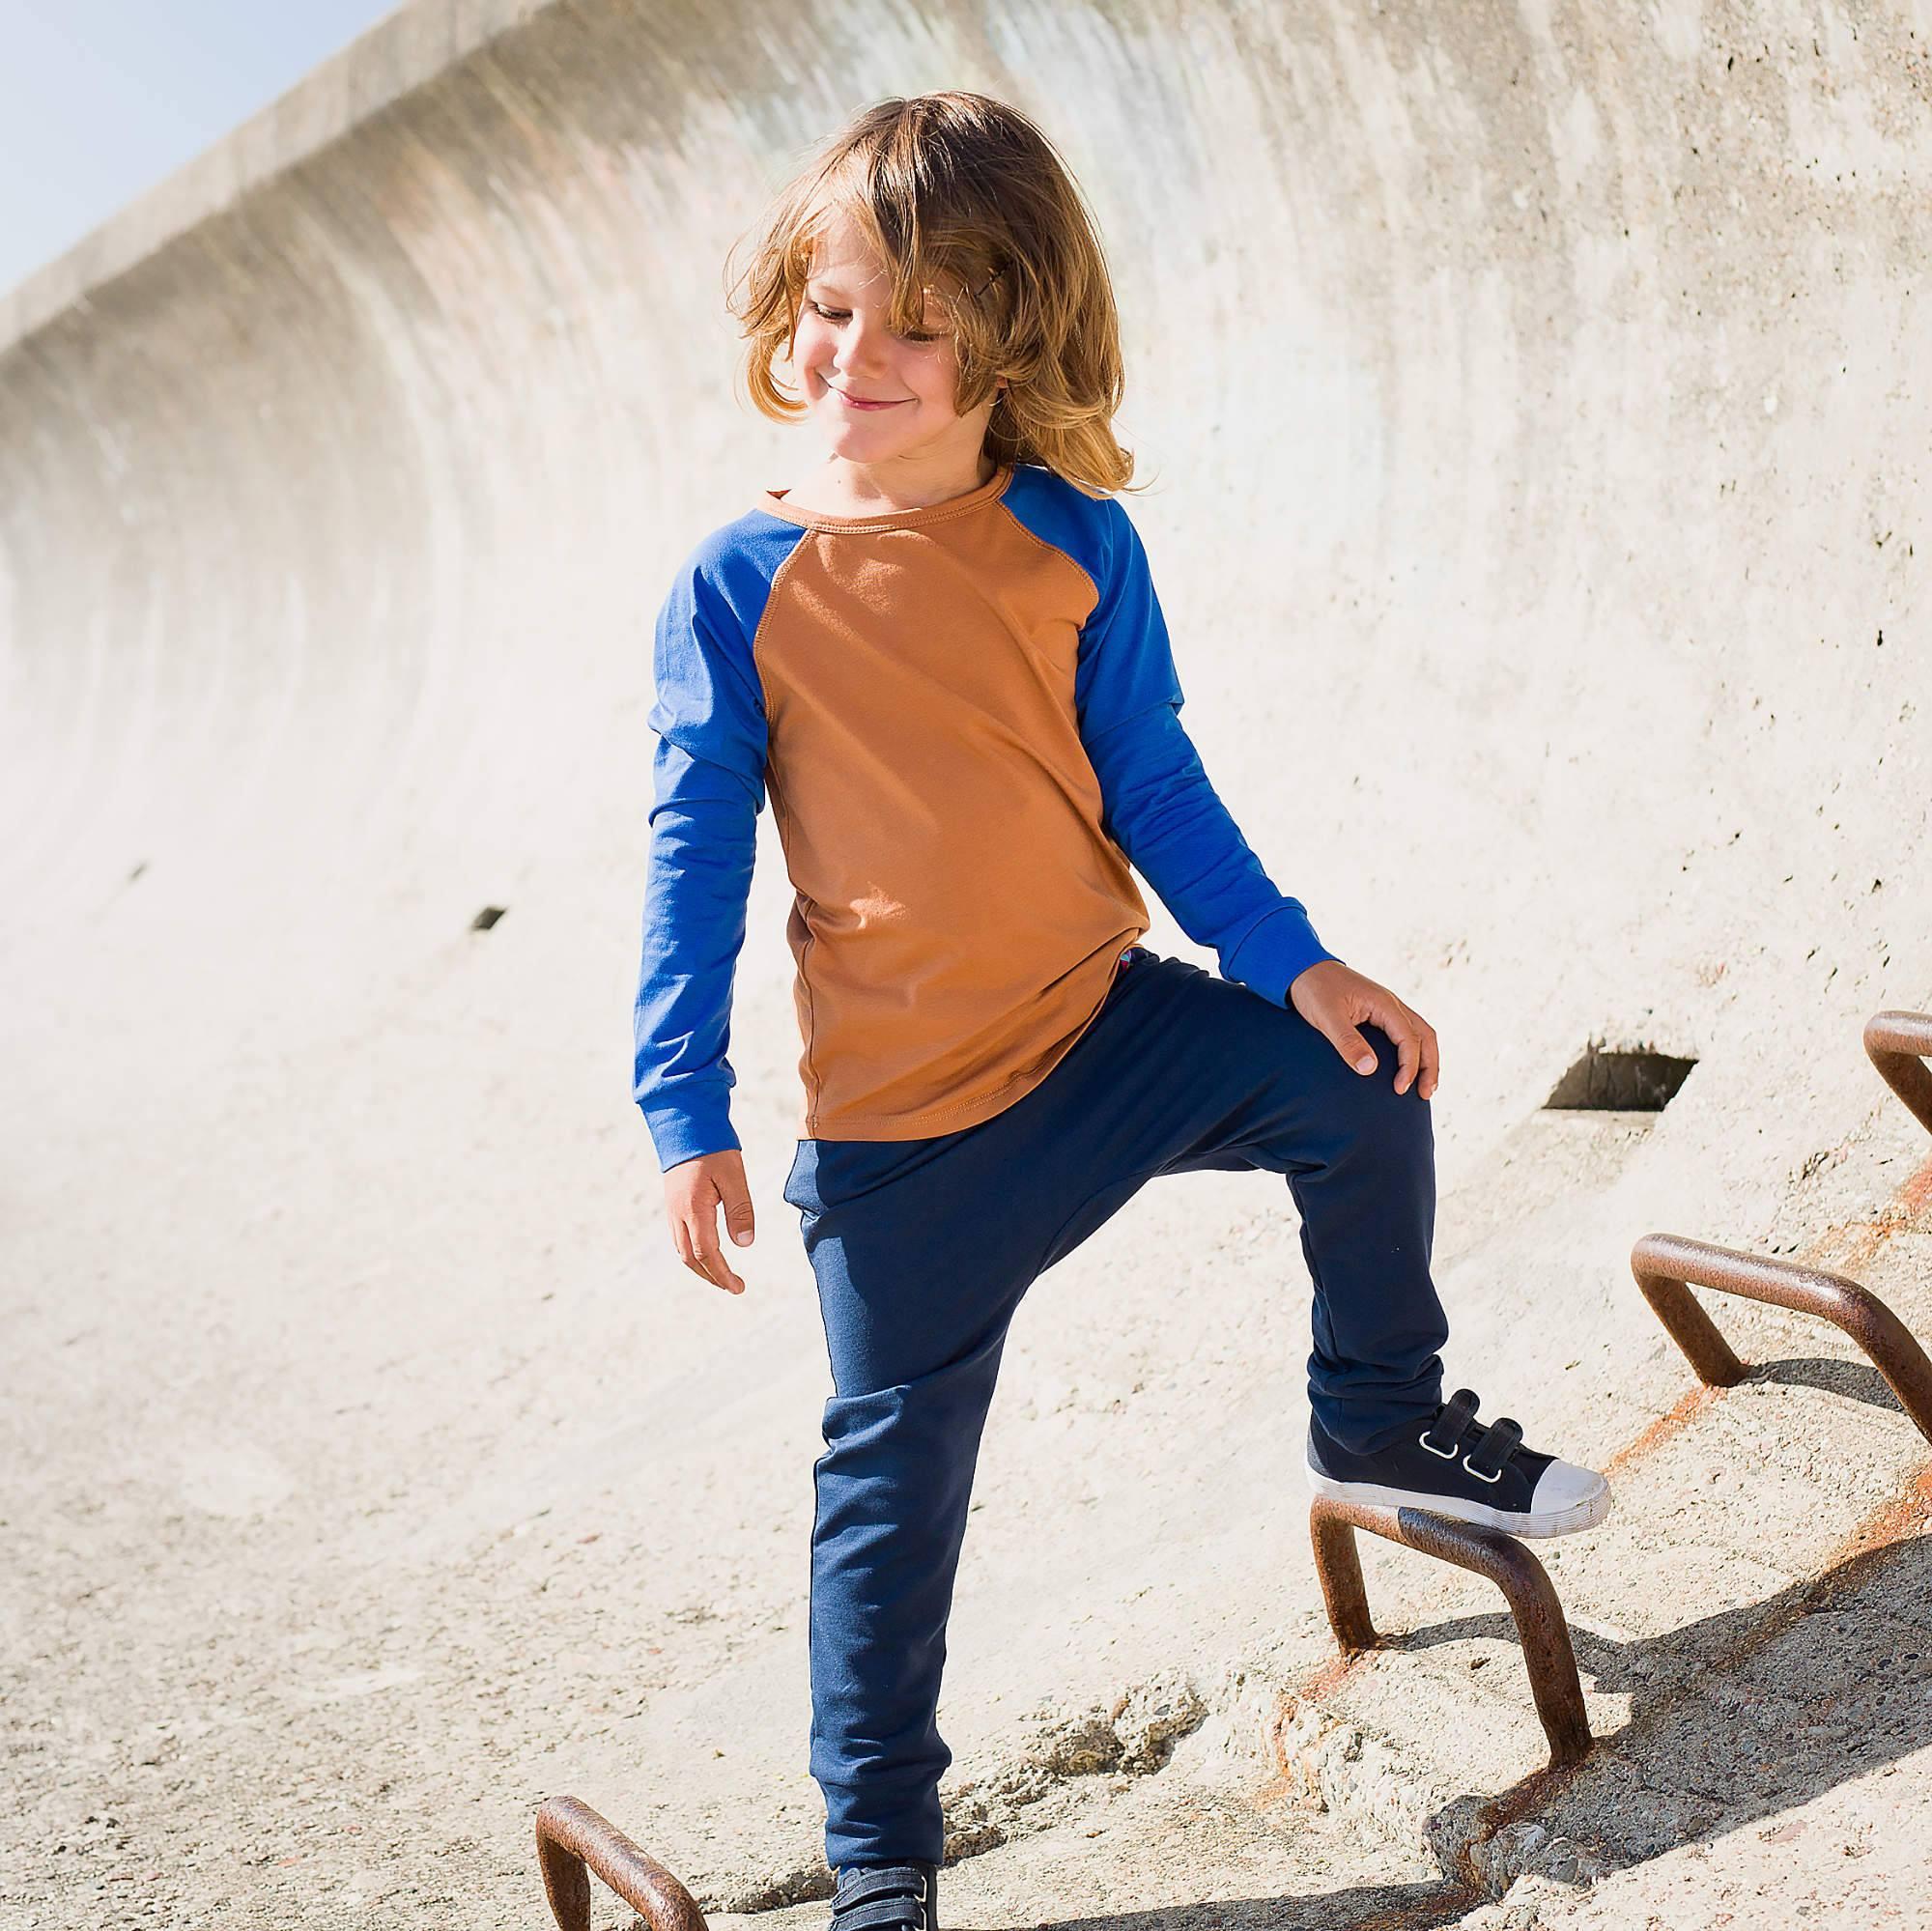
x,y
694,1191
1335,999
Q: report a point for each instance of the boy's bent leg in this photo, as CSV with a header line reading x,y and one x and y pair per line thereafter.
x,y
1368,1224
1360,1161
1187,1072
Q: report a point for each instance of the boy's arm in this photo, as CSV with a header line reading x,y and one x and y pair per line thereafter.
x,y
708,781
703,843
1164,814
1158,804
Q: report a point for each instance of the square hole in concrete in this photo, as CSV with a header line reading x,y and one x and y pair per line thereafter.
x,y
1631,1081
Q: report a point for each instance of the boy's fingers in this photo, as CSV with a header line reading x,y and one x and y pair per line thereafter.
x,y
705,1260
1418,1059
717,1270
1403,1029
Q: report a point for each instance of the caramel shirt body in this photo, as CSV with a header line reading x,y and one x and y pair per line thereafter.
x,y
959,911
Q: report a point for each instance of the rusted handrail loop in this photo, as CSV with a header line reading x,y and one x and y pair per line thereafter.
x,y
1667,1267
1544,1635
570,1836
1900,1044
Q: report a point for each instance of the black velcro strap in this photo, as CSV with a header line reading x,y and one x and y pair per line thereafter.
x,y
1443,1435
883,1895
1500,1440
903,1912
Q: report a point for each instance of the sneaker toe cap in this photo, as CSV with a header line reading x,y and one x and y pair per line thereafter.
x,y
1563,1486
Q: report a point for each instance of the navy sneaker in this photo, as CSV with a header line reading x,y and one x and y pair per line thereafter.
x,y
1457,1466
886,1897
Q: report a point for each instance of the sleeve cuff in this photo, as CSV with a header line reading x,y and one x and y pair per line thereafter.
x,y
682,1132
1278,949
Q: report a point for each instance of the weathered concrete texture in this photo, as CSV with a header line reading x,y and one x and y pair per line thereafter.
x,y
1184,1859
1751,1629
1535,405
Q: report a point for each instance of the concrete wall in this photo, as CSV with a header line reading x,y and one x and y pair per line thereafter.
x,y
1537,405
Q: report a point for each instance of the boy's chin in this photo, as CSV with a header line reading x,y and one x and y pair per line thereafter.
x,y
888,425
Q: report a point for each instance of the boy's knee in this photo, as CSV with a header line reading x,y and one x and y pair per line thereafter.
x,y
938,1406
1370,1102
903,1457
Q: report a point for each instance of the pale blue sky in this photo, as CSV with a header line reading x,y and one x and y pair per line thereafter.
x,y
100,99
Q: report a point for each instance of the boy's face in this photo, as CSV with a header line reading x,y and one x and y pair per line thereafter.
x,y
844,346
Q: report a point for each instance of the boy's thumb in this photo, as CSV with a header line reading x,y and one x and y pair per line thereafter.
x,y
1357,1051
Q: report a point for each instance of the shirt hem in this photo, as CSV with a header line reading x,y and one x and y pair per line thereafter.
x,y
979,1111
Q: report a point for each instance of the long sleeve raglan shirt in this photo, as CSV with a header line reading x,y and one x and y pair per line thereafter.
x,y
968,719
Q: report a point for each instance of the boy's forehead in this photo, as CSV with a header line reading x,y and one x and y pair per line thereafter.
x,y
841,249
850,278
850,274
847,278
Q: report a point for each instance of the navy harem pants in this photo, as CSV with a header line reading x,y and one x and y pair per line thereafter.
x,y
921,1250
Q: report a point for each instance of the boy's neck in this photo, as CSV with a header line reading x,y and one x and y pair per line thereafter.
x,y
831,489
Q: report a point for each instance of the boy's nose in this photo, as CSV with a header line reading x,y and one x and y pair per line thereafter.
x,y
856,336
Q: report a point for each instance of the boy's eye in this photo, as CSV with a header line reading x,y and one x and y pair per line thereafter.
x,y
841,314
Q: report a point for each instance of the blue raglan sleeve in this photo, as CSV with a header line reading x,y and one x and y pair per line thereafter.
x,y
1158,805
708,790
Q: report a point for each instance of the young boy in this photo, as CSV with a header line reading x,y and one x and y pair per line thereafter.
x,y
948,665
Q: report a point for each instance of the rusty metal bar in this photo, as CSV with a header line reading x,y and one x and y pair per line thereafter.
x,y
1667,1267
570,1836
1540,1626
1900,1044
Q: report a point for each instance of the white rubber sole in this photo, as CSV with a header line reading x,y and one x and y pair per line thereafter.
x,y
1583,1515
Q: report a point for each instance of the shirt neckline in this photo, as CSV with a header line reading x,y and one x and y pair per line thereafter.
x,y
773,503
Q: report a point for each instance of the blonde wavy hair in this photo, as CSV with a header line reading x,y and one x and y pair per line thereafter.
x,y
963,195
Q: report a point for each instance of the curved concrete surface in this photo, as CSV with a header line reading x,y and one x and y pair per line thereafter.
x,y
1535,410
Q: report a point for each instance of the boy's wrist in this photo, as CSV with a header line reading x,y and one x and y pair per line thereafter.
x,y
1327,960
